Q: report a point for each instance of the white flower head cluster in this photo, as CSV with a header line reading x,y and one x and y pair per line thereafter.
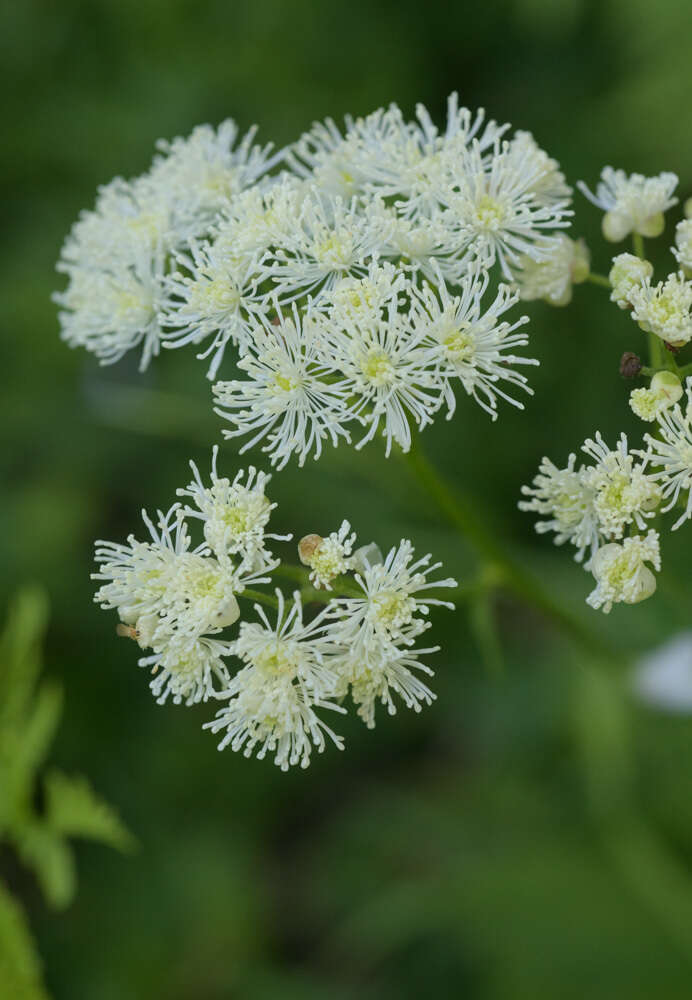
x,y
118,255
664,309
596,505
376,631
332,269
177,602
622,574
173,598
603,509
632,203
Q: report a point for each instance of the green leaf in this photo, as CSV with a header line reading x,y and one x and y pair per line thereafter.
x,y
20,654
74,809
23,751
20,965
50,857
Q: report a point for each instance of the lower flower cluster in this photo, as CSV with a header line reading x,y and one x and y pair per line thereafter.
x,y
178,601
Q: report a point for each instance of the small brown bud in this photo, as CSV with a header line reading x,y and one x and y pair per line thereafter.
x,y
671,347
630,365
307,547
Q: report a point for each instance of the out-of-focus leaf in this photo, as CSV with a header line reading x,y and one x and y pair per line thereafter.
x,y
74,809
20,966
50,858
20,654
24,749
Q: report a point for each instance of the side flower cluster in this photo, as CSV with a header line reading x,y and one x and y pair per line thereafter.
x,y
596,507
604,509
178,601
349,273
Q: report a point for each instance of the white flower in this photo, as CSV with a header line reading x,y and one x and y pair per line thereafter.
x,y
168,595
271,702
112,310
381,670
431,246
628,272
375,632
665,390
393,596
406,160
469,343
645,404
384,368
621,573
500,215
138,574
203,170
327,557
552,279
323,157
623,492
672,454
291,396
664,309
256,219
568,501
188,670
632,203
213,297
550,185
683,244
330,239
234,514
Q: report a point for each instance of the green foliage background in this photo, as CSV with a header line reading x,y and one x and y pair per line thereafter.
x,y
530,835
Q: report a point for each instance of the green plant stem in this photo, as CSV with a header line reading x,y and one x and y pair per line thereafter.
x,y
638,245
268,600
599,279
461,511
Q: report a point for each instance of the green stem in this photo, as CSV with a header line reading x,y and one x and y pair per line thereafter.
x,y
599,279
685,371
638,245
256,595
461,511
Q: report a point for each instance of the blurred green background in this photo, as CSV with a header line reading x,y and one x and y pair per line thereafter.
x,y
528,836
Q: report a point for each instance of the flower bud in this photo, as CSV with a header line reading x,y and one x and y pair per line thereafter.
x,y
627,273
630,365
615,226
653,226
307,547
667,387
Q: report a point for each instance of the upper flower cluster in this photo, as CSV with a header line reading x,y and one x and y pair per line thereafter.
x,y
348,271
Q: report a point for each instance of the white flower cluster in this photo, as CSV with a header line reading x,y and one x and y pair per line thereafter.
x,y
603,509
176,601
118,257
594,506
349,272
